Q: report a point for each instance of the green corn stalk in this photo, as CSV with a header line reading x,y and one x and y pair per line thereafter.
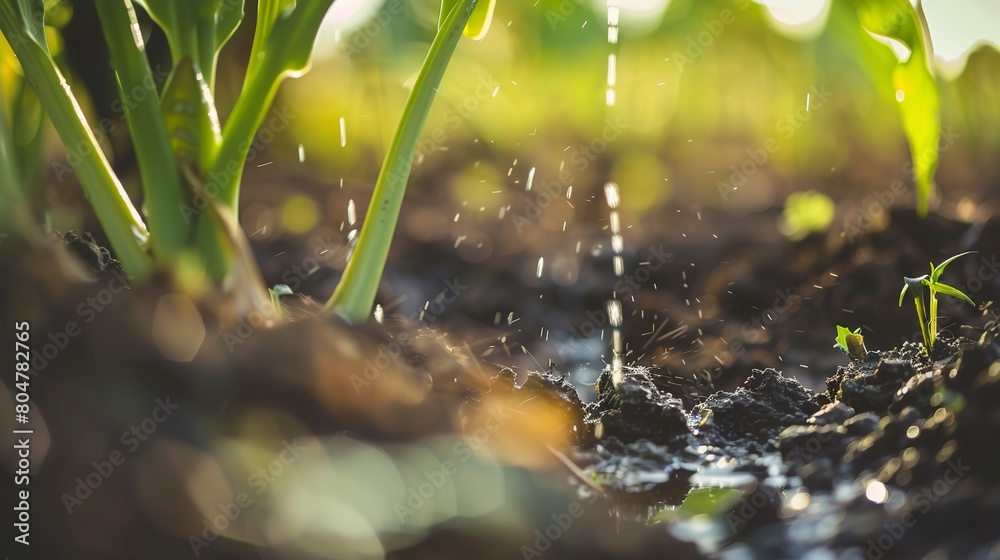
x,y
924,290
22,24
355,294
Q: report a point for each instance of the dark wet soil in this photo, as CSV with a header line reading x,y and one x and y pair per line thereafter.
x,y
893,456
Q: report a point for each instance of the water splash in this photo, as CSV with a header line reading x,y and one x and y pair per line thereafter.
x,y
614,307
611,95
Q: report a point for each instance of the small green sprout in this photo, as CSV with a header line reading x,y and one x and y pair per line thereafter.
x,y
851,343
925,290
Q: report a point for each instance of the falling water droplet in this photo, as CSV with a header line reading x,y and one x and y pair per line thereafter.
x,y
614,312
343,132
541,265
611,194
611,95
614,307
531,179
351,212
302,153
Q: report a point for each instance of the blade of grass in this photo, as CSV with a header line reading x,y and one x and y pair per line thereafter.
x,y
161,182
22,23
916,88
196,29
10,194
355,294
285,52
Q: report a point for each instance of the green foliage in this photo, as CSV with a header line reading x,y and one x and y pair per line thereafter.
x,y
924,290
851,342
713,502
180,143
805,213
916,89
282,48
160,178
479,21
196,29
355,295
22,24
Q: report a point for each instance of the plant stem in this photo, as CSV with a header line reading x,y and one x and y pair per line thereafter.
x,y
276,60
932,319
161,181
120,220
922,320
10,193
355,294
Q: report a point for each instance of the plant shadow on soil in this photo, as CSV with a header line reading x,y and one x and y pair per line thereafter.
x,y
319,440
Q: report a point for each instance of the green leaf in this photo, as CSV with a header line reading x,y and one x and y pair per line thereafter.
x,y
10,195
355,294
191,119
841,340
937,271
23,25
915,285
282,290
161,181
267,14
953,292
714,502
916,89
479,22
285,52
196,29
851,342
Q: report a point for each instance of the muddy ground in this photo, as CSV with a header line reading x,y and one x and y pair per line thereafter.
x,y
737,430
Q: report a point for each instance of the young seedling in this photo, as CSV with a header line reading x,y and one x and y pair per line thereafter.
x,y
191,161
924,290
851,343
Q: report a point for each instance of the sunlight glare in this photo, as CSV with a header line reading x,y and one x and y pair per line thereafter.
x,y
798,19
636,16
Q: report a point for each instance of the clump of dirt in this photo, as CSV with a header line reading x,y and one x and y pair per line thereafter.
x,y
95,257
897,439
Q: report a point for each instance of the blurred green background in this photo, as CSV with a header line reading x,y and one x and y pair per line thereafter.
x,y
700,87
